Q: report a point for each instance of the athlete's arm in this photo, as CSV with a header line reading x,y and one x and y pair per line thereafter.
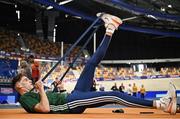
x,y
43,105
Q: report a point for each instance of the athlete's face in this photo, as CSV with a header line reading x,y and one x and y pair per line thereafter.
x,y
25,83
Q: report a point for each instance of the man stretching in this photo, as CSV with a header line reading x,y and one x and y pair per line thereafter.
x,y
81,97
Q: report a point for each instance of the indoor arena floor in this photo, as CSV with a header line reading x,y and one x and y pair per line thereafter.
x,y
93,113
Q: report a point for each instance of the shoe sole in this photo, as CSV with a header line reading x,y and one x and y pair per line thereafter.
x,y
115,19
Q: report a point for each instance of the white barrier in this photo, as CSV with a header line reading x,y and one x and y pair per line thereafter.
x,y
149,84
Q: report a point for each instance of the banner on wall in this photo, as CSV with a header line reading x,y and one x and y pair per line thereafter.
x,y
8,68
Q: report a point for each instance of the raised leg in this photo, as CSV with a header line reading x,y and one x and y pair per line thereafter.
x,y
85,80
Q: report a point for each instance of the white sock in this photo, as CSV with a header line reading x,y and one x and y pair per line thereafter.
x,y
159,105
110,28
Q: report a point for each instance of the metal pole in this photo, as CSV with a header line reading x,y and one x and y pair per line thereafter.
x,y
62,52
130,18
94,42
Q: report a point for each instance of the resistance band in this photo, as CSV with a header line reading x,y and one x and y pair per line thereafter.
x,y
82,48
70,49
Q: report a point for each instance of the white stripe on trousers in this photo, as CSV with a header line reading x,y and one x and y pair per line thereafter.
x,y
93,101
101,99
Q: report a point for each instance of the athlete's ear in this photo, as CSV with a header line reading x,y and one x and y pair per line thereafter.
x,y
18,85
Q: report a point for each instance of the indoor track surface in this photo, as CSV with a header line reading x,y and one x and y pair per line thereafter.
x,y
93,113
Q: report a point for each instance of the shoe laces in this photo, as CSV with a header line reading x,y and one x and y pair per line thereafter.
x,y
165,101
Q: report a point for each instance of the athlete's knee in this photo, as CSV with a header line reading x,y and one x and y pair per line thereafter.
x,y
111,93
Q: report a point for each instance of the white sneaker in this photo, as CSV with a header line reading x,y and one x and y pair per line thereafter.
x,y
111,22
169,102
